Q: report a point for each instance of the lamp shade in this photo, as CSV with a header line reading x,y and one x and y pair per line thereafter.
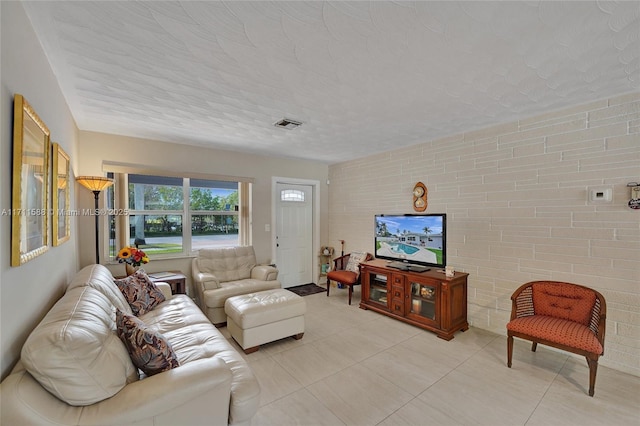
x,y
94,183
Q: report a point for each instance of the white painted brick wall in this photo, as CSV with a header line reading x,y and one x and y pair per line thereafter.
x,y
516,199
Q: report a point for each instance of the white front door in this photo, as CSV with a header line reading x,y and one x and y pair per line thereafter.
x,y
294,234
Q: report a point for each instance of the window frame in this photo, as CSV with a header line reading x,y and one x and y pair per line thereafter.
x,y
120,193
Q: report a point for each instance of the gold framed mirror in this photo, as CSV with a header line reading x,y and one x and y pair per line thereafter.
x,y
29,197
60,196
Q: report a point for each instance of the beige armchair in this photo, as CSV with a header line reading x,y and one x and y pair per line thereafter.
x,y
220,273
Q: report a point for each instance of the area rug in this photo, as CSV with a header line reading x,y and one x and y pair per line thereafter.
x,y
306,289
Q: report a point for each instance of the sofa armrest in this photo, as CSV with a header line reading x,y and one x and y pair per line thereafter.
x,y
206,280
195,393
165,288
264,272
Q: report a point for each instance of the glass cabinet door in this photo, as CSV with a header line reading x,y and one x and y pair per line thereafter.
x,y
378,288
423,300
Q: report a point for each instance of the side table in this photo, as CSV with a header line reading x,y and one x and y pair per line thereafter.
x,y
175,279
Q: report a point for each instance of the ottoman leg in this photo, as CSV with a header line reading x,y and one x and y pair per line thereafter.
x,y
298,336
251,350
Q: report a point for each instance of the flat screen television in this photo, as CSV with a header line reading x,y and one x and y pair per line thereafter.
x,y
418,239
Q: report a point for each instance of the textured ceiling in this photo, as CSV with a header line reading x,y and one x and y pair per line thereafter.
x,y
364,77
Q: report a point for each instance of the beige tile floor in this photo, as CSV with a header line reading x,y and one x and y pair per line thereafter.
x,y
357,367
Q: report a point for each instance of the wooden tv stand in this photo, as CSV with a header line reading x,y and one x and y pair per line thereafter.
x,y
427,299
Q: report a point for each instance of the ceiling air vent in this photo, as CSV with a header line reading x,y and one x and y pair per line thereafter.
x,y
287,123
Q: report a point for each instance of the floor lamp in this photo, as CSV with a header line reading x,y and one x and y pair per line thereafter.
x,y
95,184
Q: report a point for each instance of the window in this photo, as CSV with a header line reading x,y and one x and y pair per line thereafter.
x,y
156,213
214,213
172,216
292,195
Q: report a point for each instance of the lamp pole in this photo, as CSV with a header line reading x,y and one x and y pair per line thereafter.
x,y
96,194
95,184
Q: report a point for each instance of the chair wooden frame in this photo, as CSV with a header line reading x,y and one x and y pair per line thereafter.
x,y
523,306
339,264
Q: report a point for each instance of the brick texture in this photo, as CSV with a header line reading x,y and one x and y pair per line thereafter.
x,y
516,196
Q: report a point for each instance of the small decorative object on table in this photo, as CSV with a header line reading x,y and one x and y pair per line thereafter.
x,y
449,271
132,258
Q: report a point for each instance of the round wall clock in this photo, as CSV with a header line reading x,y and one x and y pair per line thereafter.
x,y
420,197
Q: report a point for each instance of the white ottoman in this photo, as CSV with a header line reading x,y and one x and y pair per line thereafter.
x,y
263,317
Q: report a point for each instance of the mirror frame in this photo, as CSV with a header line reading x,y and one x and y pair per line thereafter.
x,y
30,196
60,188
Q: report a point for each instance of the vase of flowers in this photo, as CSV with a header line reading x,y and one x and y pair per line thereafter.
x,y
132,258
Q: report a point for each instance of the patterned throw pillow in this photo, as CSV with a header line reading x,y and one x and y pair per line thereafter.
x,y
149,350
355,258
141,293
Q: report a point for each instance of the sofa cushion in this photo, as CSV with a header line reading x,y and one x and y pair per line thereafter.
x,y
193,337
227,263
140,292
100,278
573,303
75,353
149,350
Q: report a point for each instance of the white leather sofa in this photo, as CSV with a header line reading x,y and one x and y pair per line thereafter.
x,y
74,369
220,273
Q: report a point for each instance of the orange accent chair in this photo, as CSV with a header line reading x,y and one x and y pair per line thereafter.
x,y
566,316
346,270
